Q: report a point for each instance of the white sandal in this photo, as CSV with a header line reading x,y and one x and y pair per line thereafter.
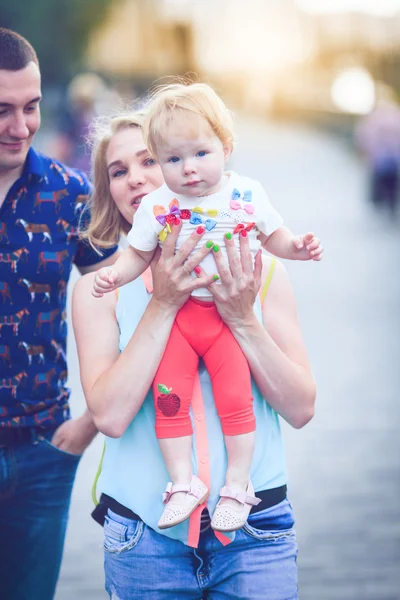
x,y
196,494
229,518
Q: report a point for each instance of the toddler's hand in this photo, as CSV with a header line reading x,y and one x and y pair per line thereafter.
x,y
106,280
307,247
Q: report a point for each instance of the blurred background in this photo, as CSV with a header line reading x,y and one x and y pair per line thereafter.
x,y
314,85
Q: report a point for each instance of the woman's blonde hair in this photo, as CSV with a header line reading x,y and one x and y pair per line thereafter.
x,y
106,222
185,105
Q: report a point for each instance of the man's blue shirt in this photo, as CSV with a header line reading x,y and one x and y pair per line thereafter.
x,y
38,244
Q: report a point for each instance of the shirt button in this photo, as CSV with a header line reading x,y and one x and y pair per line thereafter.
x,y
199,417
203,460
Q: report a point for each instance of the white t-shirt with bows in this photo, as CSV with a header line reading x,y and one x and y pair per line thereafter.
x,y
241,204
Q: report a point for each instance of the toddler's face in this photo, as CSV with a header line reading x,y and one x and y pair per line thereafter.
x,y
193,163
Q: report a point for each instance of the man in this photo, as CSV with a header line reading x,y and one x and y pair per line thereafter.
x,y
41,202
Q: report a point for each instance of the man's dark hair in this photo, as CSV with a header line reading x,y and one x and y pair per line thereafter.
x,y
15,51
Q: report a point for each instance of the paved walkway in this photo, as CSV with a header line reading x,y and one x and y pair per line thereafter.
x,y
344,466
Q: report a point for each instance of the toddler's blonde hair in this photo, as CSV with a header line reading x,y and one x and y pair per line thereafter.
x,y
186,106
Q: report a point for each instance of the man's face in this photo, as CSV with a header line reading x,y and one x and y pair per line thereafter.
x,y
19,114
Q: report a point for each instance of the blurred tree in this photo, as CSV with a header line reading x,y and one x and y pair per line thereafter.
x,y
57,29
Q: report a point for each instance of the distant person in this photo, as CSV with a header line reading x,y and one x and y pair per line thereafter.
x,y
378,136
83,102
41,202
189,131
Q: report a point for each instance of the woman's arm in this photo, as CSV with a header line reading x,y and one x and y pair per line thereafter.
x,y
277,355
115,384
275,349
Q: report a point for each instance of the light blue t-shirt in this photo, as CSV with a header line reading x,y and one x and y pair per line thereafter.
x,y
133,470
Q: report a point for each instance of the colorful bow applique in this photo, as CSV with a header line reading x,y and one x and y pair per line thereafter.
x,y
163,217
246,197
175,213
196,219
242,227
211,212
167,219
209,224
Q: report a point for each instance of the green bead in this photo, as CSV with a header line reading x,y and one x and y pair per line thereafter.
x,y
215,277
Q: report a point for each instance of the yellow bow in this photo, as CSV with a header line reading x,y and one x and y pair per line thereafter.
x,y
212,212
162,236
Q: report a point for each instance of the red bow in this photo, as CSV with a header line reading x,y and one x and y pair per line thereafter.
x,y
242,227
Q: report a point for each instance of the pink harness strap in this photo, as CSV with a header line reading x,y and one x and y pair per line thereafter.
x,y
203,466
148,280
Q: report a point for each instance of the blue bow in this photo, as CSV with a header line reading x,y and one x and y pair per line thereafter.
x,y
195,219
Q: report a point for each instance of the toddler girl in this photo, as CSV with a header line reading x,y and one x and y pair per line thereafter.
x,y
188,129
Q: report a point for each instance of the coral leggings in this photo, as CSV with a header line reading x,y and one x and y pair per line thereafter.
x,y
199,331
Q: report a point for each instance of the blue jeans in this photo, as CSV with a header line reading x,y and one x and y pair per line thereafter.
x,y
259,565
35,489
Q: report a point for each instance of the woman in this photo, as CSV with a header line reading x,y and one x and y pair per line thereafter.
x,y
120,342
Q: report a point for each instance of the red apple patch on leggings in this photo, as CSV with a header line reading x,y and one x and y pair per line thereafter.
x,y
168,403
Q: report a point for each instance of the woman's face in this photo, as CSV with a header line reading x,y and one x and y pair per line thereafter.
x,y
131,170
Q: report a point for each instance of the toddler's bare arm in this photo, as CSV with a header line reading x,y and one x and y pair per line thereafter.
x,y
128,267
285,244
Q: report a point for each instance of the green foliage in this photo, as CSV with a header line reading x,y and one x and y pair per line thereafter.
x,y
57,29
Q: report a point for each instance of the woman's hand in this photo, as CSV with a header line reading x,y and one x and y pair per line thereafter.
x,y
172,279
239,284
274,348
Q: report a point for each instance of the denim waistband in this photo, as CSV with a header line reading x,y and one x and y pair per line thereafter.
x,y
268,498
13,436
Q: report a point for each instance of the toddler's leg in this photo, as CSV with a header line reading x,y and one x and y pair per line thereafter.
x,y
173,389
231,381
240,450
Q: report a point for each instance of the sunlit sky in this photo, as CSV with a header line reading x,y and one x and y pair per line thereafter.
x,y
376,7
